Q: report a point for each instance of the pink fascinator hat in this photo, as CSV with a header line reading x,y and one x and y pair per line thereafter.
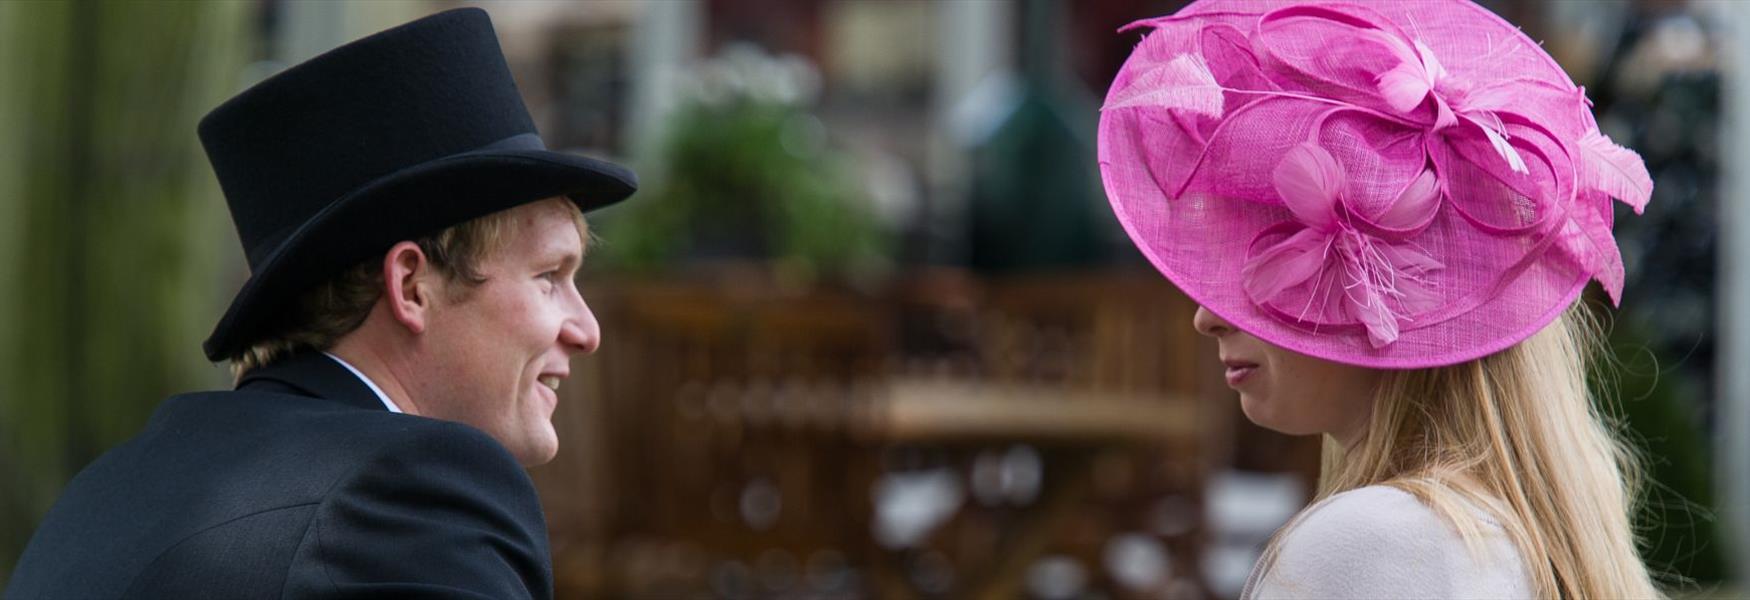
x,y
1400,184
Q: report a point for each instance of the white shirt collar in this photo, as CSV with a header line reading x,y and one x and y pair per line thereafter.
x,y
387,403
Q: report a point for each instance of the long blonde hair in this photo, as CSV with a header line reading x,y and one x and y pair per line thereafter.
x,y
1517,434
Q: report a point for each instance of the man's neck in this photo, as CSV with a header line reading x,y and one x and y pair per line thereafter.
x,y
379,371
375,391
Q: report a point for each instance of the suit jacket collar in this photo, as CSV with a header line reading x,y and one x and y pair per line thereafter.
x,y
310,373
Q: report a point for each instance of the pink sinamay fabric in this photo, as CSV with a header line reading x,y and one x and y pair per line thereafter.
x,y
1399,184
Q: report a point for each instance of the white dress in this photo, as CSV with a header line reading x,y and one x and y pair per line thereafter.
x,y
1381,542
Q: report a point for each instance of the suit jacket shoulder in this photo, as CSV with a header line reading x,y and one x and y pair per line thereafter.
x,y
442,510
299,483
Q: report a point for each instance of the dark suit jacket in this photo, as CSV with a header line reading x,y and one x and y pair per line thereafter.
x,y
298,484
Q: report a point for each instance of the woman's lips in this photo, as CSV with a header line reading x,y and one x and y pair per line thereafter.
x,y
1238,370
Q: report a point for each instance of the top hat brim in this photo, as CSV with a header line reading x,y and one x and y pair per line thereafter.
x,y
405,205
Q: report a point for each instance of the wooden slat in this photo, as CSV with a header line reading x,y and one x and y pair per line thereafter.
x,y
921,410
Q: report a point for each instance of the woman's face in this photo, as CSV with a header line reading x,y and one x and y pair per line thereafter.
x,y
1290,392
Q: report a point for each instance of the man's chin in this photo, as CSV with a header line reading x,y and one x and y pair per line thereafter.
x,y
539,452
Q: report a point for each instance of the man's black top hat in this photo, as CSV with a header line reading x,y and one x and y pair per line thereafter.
x,y
388,138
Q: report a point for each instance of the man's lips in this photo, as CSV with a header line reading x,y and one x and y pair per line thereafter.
x,y
549,382
552,380
1238,370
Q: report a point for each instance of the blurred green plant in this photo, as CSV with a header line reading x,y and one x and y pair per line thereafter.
x,y
747,174
112,229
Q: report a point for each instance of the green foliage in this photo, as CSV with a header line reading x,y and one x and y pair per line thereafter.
x,y
111,229
746,179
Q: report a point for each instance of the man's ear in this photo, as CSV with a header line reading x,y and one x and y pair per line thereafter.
x,y
408,285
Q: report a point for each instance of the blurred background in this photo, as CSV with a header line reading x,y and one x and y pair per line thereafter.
x,y
871,330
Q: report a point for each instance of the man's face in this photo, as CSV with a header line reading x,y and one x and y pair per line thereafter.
x,y
496,351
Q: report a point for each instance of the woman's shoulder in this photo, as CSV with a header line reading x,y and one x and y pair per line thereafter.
x,y
1380,541
1376,513
1370,524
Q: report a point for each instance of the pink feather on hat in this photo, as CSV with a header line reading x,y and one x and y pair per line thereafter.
x,y
1405,184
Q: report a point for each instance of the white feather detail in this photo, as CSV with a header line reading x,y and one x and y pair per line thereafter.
x,y
1184,83
1503,148
1614,170
1430,64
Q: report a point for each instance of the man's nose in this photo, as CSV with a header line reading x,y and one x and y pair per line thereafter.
x,y
1207,323
580,334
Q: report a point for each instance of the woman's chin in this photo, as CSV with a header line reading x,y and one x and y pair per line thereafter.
x,y
1256,411
1261,413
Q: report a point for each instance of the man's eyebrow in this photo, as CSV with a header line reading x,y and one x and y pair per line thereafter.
x,y
563,258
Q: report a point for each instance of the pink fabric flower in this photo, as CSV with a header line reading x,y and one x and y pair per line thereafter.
x,y
1363,276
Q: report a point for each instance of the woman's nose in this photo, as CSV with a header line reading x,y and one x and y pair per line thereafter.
x,y
1207,323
